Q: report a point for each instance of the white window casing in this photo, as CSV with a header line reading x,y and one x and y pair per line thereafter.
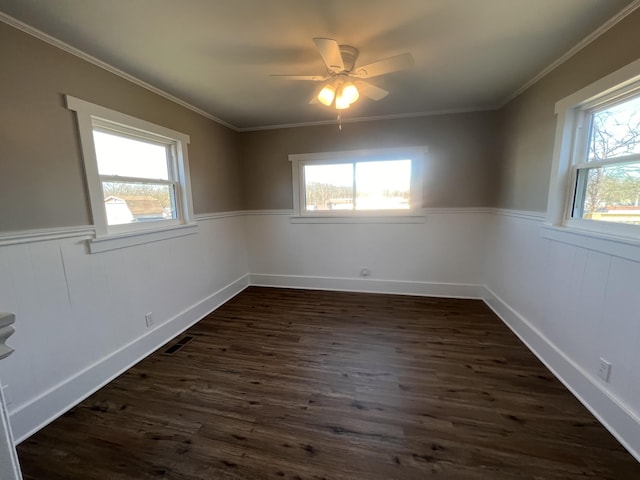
x,y
573,128
92,117
413,214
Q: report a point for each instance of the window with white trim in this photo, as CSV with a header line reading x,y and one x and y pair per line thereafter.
x,y
137,172
595,184
607,164
382,182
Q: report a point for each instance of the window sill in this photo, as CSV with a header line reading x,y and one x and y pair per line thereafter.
x,y
357,219
129,239
618,246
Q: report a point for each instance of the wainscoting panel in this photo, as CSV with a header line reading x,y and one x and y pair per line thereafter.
x,y
446,249
80,317
572,305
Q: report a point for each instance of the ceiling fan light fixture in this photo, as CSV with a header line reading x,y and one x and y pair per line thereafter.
x,y
341,100
327,94
337,90
350,93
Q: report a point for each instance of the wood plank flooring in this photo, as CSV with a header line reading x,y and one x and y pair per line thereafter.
x,y
294,384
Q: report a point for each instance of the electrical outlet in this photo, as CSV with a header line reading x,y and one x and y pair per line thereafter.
x,y
604,369
148,318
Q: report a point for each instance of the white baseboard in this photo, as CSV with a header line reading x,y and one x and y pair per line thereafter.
x,y
369,285
34,415
623,424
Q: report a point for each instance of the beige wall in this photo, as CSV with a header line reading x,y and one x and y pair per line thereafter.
x,y
459,172
41,171
528,122
42,182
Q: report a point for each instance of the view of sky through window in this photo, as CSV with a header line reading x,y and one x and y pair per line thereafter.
x,y
379,185
142,197
126,157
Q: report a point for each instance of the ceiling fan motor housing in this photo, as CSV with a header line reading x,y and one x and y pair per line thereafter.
x,y
349,56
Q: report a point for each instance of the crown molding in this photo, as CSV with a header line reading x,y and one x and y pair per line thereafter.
x,y
374,118
613,21
28,29
621,15
40,35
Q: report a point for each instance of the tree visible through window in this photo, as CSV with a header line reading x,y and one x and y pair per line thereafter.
x,y
137,177
608,183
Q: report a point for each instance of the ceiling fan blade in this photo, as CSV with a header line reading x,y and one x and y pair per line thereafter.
x,y
371,91
388,65
330,53
313,78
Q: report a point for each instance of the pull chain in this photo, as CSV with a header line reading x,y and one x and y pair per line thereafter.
x,y
340,121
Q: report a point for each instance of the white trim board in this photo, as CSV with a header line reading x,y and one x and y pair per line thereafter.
x,y
620,421
394,287
214,216
42,410
524,214
622,247
45,234
88,231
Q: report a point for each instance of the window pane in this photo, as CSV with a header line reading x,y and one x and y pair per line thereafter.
x,y
615,131
138,202
328,187
384,185
610,194
127,157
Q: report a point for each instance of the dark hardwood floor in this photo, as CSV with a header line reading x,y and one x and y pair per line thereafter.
x,y
293,384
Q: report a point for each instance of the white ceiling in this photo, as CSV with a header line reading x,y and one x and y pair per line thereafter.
x,y
218,54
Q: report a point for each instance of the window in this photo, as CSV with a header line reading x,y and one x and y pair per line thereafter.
x,y
364,183
137,175
595,184
608,169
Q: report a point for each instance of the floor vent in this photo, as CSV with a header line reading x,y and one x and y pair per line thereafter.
x,y
178,344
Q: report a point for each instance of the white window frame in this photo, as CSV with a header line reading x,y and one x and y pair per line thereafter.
x,y
107,236
415,214
572,129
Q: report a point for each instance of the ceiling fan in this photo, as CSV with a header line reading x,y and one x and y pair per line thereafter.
x,y
344,82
